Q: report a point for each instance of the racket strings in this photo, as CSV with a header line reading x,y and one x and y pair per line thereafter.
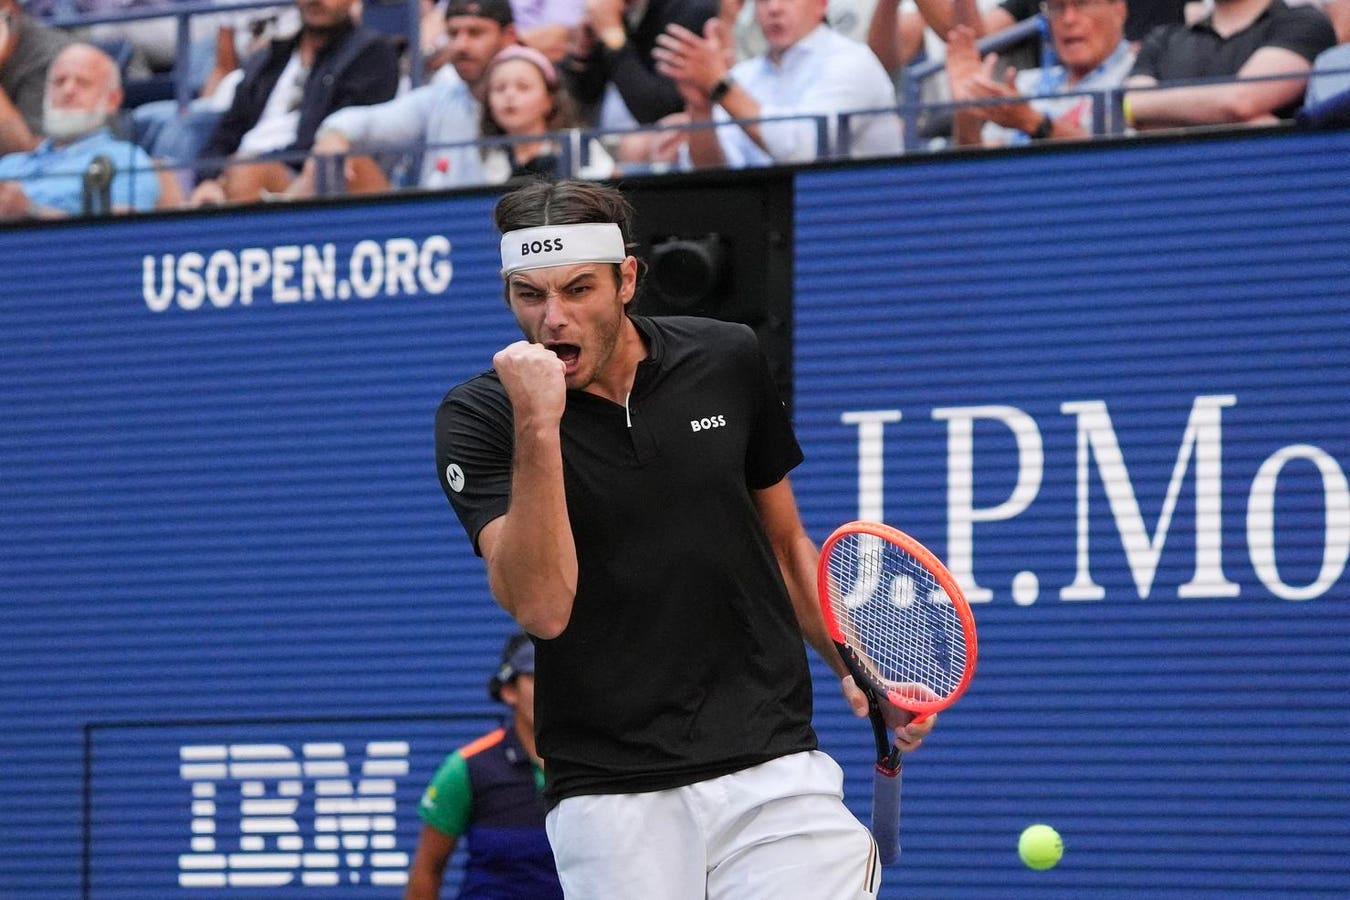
x,y
892,610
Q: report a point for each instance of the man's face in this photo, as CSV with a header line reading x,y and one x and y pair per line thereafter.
x,y
1085,31
785,22
474,40
81,96
576,311
519,695
324,14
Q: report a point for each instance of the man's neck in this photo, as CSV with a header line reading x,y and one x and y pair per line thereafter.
x,y
1074,76
525,734
1231,16
313,40
615,383
60,143
776,56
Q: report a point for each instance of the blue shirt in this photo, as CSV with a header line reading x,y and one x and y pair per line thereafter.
x,y
1044,84
824,73
53,176
442,116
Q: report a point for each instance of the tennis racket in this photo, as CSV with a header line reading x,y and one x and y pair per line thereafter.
x,y
905,632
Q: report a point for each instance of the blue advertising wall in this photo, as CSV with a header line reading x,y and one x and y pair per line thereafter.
x,y
240,626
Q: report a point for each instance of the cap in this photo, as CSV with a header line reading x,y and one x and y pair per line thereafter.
x,y
498,11
517,659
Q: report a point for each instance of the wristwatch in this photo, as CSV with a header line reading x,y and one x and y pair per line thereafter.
x,y
720,89
1044,129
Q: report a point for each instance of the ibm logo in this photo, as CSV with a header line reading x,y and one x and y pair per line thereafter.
x,y
353,818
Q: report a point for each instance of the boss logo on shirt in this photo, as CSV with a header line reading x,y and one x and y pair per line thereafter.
x,y
708,423
547,245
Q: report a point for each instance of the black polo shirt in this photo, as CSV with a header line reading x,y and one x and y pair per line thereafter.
x,y
683,659
1183,52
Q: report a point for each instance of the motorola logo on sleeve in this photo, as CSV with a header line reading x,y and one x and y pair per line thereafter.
x,y
454,476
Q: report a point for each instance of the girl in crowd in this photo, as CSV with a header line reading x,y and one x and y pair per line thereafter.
x,y
525,100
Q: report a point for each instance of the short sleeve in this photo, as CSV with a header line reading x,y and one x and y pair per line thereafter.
x,y
447,803
1151,50
137,186
474,448
773,450
1304,30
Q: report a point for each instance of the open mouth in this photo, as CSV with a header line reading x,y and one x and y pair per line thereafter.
x,y
568,353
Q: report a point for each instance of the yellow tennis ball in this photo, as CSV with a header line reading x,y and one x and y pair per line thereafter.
x,y
1040,847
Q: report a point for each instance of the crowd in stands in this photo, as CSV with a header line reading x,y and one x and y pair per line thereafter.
x,y
313,97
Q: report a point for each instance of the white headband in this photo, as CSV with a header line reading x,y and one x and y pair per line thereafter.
x,y
561,245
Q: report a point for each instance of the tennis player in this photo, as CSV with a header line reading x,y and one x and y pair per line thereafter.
x,y
625,481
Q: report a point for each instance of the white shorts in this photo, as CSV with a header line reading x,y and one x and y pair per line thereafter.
x,y
778,830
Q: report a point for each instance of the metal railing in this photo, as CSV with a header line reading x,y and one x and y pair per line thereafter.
x,y
832,132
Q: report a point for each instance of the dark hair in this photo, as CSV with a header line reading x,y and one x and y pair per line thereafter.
x,y
498,11
548,202
506,673
545,202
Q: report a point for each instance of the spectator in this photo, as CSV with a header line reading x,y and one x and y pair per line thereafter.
x,y
944,15
238,36
1240,38
526,98
545,25
442,115
848,17
84,90
488,793
809,69
287,90
177,136
1089,41
612,66
27,48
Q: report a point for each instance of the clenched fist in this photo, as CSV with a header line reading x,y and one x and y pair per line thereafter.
x,y
535,380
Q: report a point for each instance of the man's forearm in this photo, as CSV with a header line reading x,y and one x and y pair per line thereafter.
x,y
883,34
740,105
530,553
1199,105
798,563
705,151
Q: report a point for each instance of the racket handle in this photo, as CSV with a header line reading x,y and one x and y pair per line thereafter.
x,y
886,815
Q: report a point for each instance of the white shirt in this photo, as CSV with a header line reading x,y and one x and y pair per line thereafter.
x,y
280,119
823,73
443,114
851,18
